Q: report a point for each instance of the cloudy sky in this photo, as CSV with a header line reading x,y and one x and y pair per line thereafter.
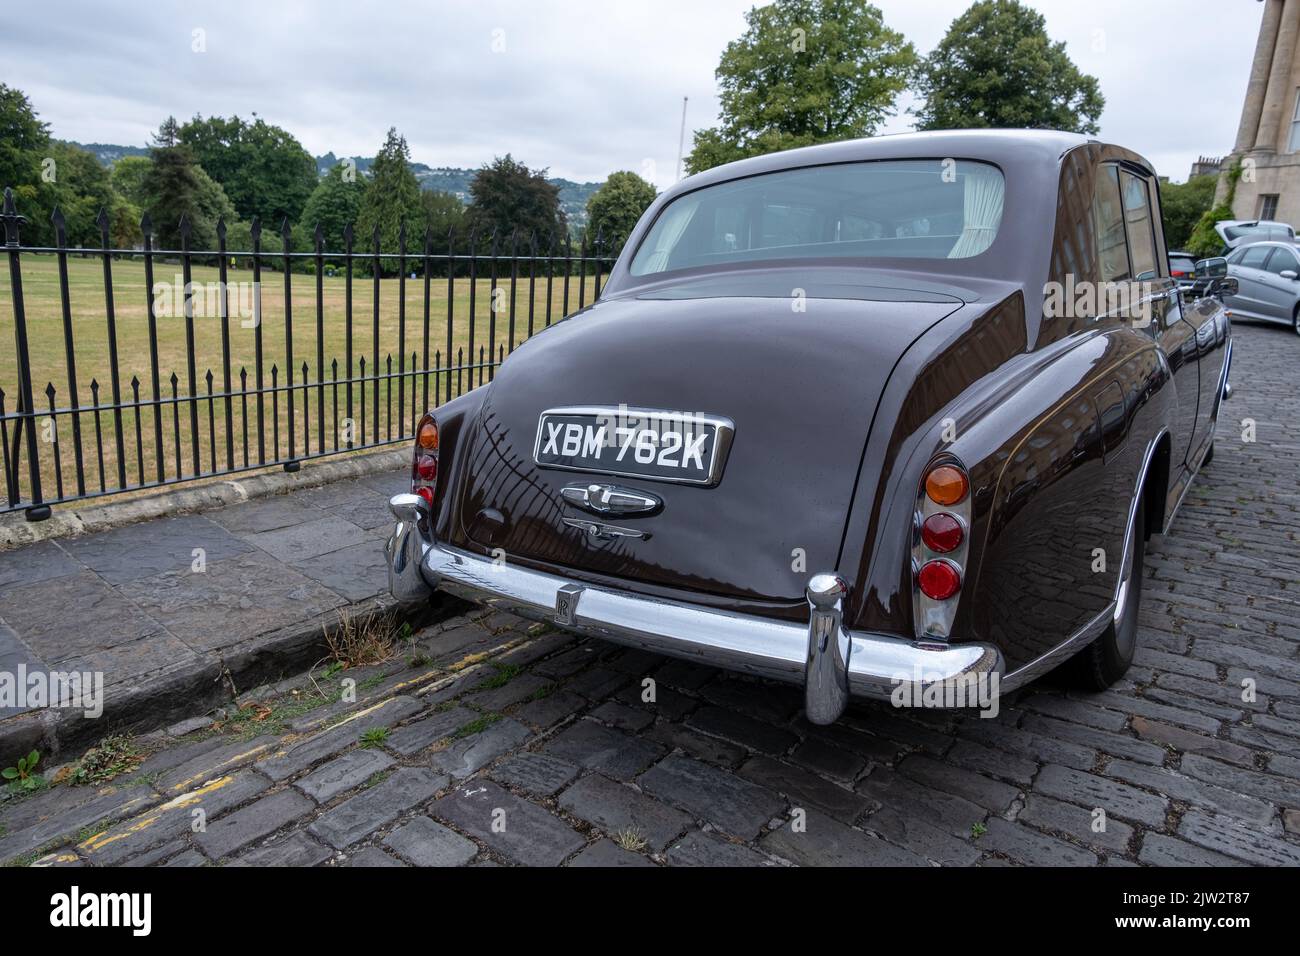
x,y
579,86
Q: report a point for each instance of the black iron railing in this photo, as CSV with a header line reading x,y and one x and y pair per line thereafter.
x,y
197,376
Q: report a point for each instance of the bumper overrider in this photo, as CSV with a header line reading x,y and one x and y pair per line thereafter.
x,y
833,663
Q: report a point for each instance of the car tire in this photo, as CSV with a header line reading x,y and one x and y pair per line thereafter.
x,y
1105,660
1295,319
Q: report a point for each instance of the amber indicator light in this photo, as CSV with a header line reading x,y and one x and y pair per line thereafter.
x,y
946,485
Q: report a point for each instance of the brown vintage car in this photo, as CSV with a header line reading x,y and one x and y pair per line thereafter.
x,y
883,413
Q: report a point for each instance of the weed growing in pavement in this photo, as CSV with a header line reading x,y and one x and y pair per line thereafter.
x,y
631,839
505,673
374,737
23,777
109,758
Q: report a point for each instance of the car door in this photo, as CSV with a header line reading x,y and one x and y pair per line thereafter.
x,y
1173,333
1277,293
1246,264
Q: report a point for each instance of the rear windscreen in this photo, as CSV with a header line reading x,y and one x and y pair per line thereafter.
x,y
923,209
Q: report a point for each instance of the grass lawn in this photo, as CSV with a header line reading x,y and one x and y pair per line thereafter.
x,y
400,399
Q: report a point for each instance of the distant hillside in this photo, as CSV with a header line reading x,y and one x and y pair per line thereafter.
x,y
447,179
108,154
451,179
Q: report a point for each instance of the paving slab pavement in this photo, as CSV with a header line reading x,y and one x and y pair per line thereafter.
x,y
174,612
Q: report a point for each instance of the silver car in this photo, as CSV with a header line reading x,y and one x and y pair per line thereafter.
x,y
1268,283
1236,233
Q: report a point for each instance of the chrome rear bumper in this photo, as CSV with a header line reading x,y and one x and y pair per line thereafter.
x,y
830,661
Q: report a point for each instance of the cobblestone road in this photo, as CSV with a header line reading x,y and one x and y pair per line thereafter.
x,y
493,741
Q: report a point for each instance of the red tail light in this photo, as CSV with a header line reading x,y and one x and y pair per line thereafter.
x,y
939,580
942,532
424,462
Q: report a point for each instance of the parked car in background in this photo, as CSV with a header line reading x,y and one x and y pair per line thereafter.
x,y
824,424
1182,268
1242,232
1268,283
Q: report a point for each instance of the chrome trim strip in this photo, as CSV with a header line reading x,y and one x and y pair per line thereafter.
x,y
725,430
598,529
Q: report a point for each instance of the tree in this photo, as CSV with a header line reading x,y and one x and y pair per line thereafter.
x,y
1204,241
442,214
391,197
175,186
1182,205
80,189
614,209
23,137
46,175
805,72
506,197
997,68
334,204
128,175
263,169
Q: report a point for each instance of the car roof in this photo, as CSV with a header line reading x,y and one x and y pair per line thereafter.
x,y
1253,222
1271,243
978,144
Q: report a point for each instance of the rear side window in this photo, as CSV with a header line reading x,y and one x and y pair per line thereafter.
x,y
1108,217
1141,237
1280,261
1254,256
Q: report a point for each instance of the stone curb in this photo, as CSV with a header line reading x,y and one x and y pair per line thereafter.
x,y
16,531
200,686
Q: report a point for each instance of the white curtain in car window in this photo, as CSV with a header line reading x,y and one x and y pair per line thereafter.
x,y
668,231
982,211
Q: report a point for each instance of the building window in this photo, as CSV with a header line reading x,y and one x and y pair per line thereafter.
x,y
1268,206
1293,141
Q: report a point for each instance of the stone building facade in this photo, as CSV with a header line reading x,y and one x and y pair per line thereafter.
x,y
1268,137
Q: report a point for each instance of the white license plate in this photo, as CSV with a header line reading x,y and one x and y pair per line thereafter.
x,y
637,443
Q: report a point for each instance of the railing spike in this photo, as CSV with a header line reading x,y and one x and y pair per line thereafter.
x,y
146,224
255,228
102,220
221,228
184,226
